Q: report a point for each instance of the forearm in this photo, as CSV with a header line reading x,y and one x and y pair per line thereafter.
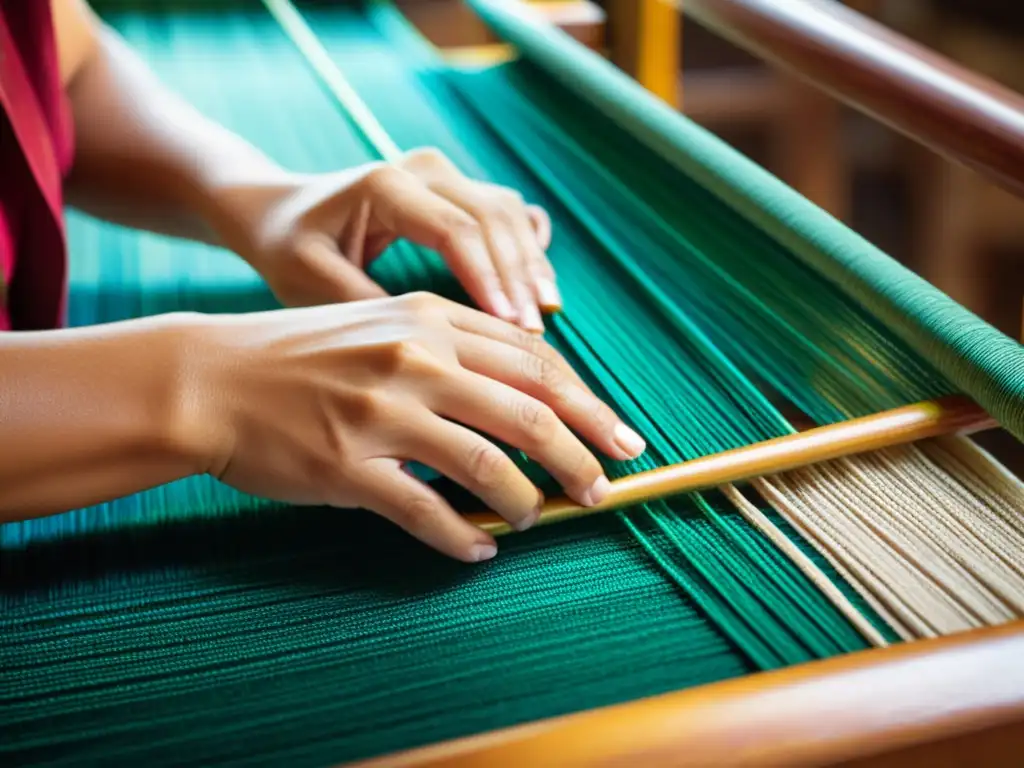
x,y
147,159
93,414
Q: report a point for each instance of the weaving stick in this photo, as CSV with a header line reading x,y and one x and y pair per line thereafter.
x,y
932,418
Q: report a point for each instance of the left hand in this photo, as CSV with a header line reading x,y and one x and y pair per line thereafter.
x,y
312,237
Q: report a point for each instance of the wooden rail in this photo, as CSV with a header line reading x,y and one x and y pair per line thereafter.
x,y
913,90
938,703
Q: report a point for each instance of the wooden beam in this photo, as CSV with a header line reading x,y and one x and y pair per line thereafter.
x,y
645,41
911,89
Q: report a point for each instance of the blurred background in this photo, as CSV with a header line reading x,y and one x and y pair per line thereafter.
x,y
961,233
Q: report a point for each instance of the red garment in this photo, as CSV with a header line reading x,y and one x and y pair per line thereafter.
x,y
36,152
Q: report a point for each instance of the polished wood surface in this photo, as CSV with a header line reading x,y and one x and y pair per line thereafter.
x,y
913,90
965,693
952,415
645,40
452,24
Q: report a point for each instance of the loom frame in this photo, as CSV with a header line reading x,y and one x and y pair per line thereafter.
x,y
951,701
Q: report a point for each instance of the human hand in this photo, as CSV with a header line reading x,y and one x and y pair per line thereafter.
x,y
313,238
323,405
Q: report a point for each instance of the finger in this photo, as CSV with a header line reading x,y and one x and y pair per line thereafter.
x,y
384,488
495,210
479,466
408,209
527,424
469,320
541,225
505,224
543,378
329,277
542,274
508,254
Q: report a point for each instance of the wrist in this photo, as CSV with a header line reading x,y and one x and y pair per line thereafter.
x,y
236,205
190,421
110,410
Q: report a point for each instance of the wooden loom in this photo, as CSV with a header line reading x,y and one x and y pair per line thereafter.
x,y
857,709
950,701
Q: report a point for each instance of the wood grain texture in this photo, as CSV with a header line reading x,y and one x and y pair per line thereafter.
x,y
917,92
954,701
920,421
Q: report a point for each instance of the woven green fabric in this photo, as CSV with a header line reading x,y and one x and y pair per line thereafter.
x,y
194,625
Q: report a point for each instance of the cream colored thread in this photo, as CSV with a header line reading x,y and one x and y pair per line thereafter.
x,y
790,506
757,518
886,478
879,556
931,536
968,538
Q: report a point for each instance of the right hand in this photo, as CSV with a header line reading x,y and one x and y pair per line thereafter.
x,y
323,405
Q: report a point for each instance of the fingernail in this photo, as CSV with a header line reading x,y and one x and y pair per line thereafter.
x,y
481,552
531,317
597,492
528,521
503,306
629,441
550,298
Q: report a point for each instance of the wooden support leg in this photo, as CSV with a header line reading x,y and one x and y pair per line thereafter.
x,y
646,42
809,146
948,253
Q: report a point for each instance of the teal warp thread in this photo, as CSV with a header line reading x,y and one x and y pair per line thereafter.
x,y
983,362
744,298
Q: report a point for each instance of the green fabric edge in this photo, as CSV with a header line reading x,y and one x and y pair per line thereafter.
x,y
980,360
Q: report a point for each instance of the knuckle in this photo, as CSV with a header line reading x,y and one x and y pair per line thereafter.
x,y
512,198
487,465
382,178
585,468
538,422
500,212
421,302
544,373
459,229
362,409
411,356
426,158
416,514
536,346
601,415
505,196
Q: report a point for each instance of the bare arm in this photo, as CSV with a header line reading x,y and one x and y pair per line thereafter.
x,y
146,158
92,414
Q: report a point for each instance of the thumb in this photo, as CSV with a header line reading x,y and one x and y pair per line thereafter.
x,y
328,277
